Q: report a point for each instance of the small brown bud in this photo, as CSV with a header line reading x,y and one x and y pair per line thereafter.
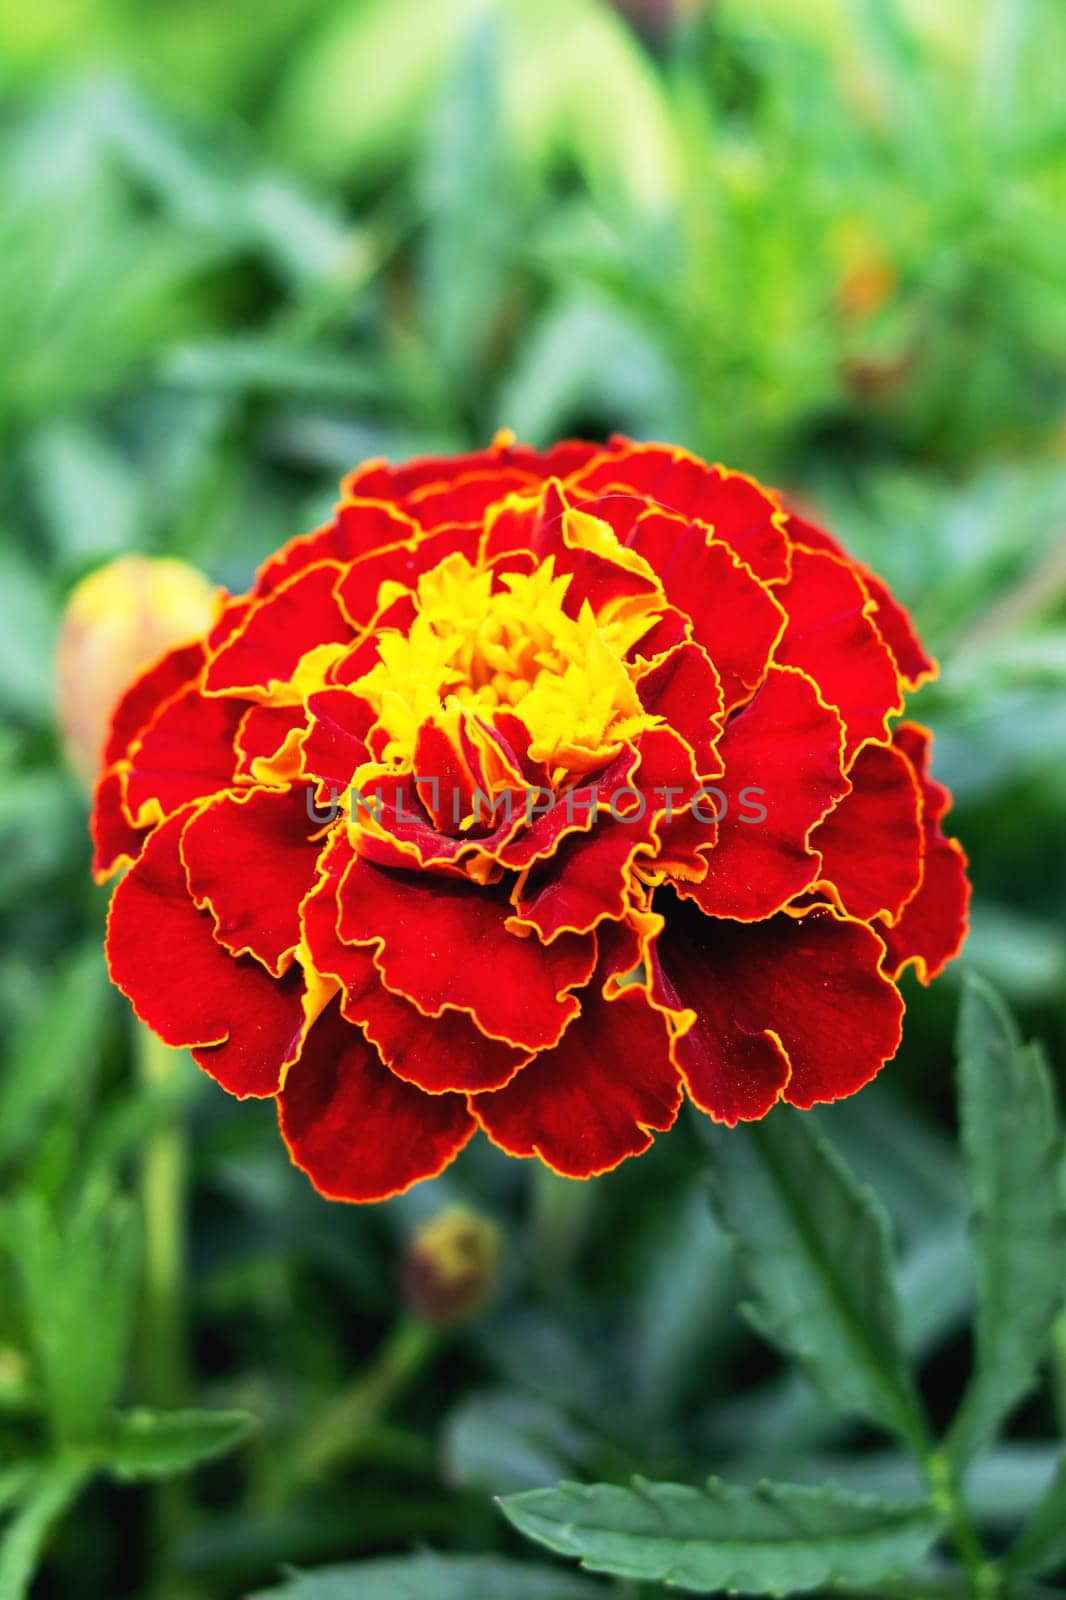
x,y
450,1268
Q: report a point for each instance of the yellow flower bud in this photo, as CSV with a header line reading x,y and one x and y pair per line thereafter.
x,y
118,620
450,1268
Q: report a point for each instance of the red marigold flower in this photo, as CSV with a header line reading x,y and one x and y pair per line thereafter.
x,y
627,815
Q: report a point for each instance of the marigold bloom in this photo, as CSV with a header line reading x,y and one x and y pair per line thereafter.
x,y
644,644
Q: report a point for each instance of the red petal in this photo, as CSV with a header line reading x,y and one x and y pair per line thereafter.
x,y
158,683
262,734
742,513
587,879
186,753
831,637
782,753
893,623
734,617
595,1099
933,925
684,690
871,844
794,1007
437,1054
243,1026
354,1128
278,630
359,589
250,860
115,842
335,747
356,530
444,946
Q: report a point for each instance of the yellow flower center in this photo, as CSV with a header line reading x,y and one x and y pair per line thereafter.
x,y
483,641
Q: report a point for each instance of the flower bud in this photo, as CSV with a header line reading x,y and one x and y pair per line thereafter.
x,y
450,1268
117,620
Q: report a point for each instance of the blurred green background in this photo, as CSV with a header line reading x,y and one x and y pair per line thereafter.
x,y
245,244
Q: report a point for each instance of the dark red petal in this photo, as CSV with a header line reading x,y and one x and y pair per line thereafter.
x,y
250,859
893,623
262,734
280,628
115,842
437,1054
244,1027
335,747
587,879
160,682
684,690
734,617
444,946
871,843
934,923
596,1098
359,591
794,1007
186,753
742,513
782,754
357,529
831,637
356,1130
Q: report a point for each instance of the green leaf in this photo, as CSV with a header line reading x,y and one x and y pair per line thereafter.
x,y
159,1444
769,1539
1013,1146
432,1577
23,1539
76,1282
814,1249
1041,1546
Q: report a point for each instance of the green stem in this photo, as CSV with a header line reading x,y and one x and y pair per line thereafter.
x,y
1058,1370
340,1432
946,1492
559,1217
162,1331
162,1186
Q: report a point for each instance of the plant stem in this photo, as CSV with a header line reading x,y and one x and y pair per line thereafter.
x,y
340,1431
559,1217
947,1497
162,1186
162,1331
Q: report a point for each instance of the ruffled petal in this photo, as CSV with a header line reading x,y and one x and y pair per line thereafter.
x,y
116,843
158,683
243,1026
598,1096
249,860
795,1007
444,946
831,637
734,617
357,1131
358,529
261,658
783,772
437,1054
871,843
186,753
915,666
933,924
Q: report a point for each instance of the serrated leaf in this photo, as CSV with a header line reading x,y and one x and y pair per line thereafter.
x,y
1012,1142
434,1577
1041,1545
769,1539
814,1248
160,1444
